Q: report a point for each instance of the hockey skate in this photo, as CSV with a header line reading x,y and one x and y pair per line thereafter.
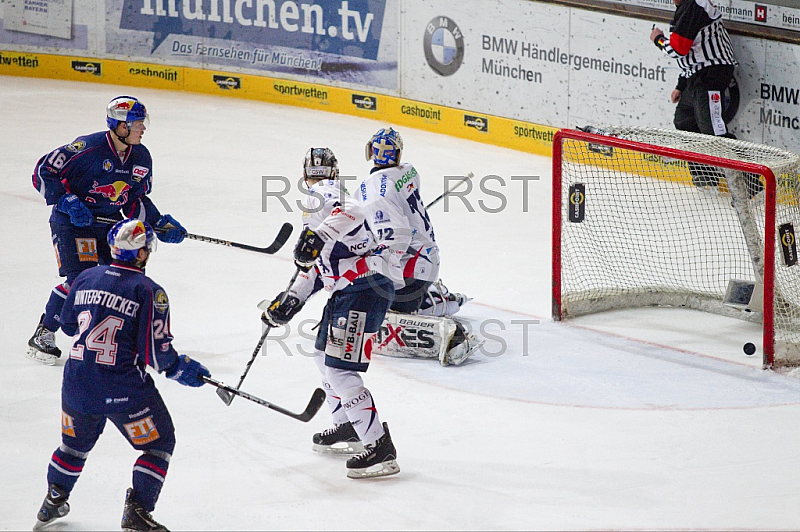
x,y
377,460
135,518
42,345
461,346
55,506
339,439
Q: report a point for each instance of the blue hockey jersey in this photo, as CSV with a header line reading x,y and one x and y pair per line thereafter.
x,y
119,320
106,183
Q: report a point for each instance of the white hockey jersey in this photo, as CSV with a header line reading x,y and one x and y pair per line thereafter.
x,y
397,217
338,219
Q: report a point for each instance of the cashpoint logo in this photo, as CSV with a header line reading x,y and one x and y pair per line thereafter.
x,y
88,67
444,46
364,102
478,122
227,82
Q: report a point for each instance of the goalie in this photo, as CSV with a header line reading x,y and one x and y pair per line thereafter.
x,y
419,324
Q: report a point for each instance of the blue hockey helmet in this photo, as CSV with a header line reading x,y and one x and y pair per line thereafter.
x,y
320,163
127,237
125,109
385,148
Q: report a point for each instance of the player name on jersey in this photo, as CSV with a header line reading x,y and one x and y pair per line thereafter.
x,y
107,299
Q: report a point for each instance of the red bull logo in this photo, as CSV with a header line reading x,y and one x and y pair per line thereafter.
x,y
117,191
137,230
124,105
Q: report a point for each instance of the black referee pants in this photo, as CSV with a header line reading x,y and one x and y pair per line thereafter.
x,y
700,107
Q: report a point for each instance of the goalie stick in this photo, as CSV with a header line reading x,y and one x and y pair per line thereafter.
x,y
280,239
450,190
317,399
227,397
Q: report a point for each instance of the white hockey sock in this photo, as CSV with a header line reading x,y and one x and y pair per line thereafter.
x,y
361,411
334,401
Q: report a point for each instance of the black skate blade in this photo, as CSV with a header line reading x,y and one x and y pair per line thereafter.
x,y
226,396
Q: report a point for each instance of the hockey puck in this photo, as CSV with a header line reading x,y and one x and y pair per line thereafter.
x,y
749,349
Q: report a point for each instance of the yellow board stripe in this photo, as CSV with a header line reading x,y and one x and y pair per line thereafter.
x,y
480,127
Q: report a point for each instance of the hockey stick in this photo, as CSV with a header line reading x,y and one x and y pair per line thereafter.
x,y
280,240
226,397
317,398
450,190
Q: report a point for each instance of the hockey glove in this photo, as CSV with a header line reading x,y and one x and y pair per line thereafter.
x,y
188,372
280,313
307,249
79,214
174,234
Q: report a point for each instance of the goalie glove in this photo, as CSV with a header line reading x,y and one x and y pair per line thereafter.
x,y
307,250
281,312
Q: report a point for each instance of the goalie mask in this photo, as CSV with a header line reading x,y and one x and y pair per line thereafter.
x,y
127,237
320,163
385,148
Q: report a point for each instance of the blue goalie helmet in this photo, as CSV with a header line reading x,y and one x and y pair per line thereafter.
x,y
125,109
127,237
320,163
385,148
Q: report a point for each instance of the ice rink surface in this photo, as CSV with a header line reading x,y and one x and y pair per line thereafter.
x,y
645,419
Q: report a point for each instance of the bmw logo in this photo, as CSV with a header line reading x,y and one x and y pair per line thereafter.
x,y
444,46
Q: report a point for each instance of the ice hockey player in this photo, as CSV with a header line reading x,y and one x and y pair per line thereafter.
x,y
108,174
121,323
334,254
397,216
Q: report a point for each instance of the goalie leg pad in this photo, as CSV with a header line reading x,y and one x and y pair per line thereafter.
x,y
412,336
415,336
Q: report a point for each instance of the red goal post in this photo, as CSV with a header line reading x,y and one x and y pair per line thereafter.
x,y
645,216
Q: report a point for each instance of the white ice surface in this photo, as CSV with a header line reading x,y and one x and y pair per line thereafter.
x,y
646,419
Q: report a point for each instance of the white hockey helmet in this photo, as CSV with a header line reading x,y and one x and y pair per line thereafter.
x,y
126,109
320,163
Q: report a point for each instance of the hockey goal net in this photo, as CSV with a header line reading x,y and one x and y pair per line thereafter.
x,y
646,217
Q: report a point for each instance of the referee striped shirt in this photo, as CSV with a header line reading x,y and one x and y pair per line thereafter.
x,y
697,38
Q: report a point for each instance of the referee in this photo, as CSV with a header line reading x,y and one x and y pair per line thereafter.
x,y
702,48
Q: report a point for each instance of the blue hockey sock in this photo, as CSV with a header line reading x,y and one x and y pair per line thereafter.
x,y
54,305
65,467
148,477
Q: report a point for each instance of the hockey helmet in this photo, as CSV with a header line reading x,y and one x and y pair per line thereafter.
x,y
127,237
320,163
126,109
385,148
